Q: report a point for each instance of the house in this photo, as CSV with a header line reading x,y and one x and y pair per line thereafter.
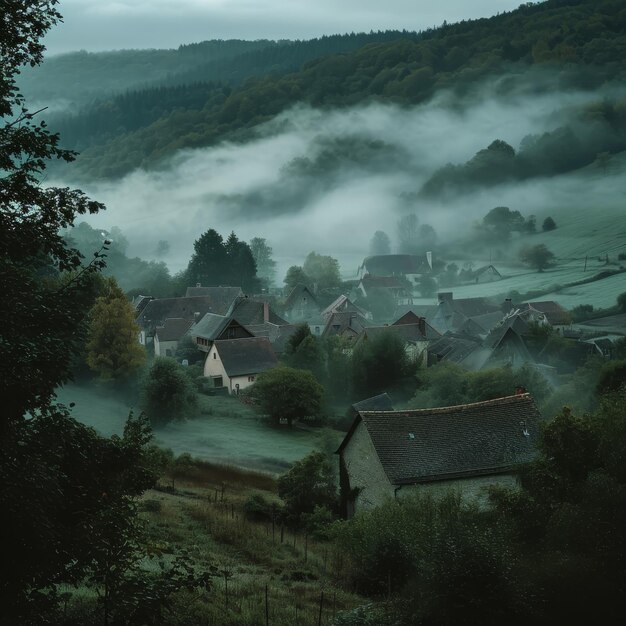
x,y
156,311
391,454
507,347
485,274
461,349
217,327
381,402
235,363
301,304
166,337
251,311
343,304
345,324
415,337
278,335
553,312
222,296
452,313
408,266
396,287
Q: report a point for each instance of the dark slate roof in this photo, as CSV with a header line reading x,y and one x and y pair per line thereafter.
x,y
454,347
296,293
339,322
487,321
407,318
554,312
251,355
342,304
420,310
473,307
222,297
425,445
278,335
515,323
212,326
381,402
173,329
249,311
157,311
382,282
396,265
409,333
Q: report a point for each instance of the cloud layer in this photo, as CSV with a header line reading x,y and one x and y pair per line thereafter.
x,y
326,180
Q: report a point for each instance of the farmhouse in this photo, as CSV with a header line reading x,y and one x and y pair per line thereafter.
x,y
301,304
391,454
452,313
408,266
235,363
212,328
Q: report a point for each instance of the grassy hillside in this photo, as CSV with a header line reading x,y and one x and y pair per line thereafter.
x,y
583,41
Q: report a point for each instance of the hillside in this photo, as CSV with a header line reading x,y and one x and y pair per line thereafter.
x,y
581,41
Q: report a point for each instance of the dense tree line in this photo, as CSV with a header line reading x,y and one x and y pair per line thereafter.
x,y
582,41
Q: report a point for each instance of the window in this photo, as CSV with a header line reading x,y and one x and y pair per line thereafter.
x,y
250,379
218,382
215,355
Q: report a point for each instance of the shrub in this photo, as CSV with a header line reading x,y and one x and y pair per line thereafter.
x,y
548,225
256,508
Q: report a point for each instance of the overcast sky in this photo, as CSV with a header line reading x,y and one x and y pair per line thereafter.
x,y
113,24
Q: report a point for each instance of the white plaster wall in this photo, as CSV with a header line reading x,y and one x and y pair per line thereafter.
x,y
242,381
214,366
161,347
365,471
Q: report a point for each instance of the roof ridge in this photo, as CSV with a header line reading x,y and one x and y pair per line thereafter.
x,y
442,409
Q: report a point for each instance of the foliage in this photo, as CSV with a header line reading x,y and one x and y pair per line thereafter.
x,y
612,377
310,483
621,302
501,221
379,364
113,349
304,351
188,349
408,234
548,225
218,262
265,264
380,243
167,394
538,257
322,270
287,393
297,276
427,286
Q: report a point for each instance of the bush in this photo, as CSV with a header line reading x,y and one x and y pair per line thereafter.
x,y
257,509
548,225
167,394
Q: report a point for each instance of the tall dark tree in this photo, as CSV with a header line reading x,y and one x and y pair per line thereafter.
x,y
208,262
380,243
61,483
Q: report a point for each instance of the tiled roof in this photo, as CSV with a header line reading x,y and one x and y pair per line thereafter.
x,y
157,311
252,355
249,311
388,282
342,304
222,297
473,307
553,311
381,402
173,329
339,322
454,347
452,442
296,293
407,332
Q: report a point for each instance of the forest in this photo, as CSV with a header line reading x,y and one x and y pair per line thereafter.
x,y
581,41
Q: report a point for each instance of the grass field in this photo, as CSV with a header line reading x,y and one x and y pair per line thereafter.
x,y
230,434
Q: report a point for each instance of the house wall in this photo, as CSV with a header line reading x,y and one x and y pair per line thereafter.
x,y
475,488
364,472
304,309
242,381
213,366
161,347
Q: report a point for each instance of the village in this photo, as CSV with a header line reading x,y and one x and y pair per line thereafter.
x,y
388,451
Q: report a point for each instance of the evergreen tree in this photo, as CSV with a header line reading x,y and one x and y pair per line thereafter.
x,y
408,234
113,349
265,264
208,263
380,243
322,270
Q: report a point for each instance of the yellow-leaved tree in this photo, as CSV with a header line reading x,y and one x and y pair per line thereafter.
x,y
113,349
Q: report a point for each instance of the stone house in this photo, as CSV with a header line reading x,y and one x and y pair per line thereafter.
x,y
236,363
392,454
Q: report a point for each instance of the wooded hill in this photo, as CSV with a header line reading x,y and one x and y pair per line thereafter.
x,y
583,42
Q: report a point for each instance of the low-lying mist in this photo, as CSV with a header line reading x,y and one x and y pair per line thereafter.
x,y
326,180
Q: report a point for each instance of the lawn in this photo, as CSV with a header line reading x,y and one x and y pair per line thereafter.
x,y
230,434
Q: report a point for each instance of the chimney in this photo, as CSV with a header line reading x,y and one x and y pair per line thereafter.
x,y
429,258
266,311
198,284
507,305
196,316
444,296
520,390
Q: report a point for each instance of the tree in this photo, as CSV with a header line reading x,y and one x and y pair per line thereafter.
x,y
380,243
408,234
303,351
296,275
287,393
265,264
378,364
427,286
162,247
208,262
310,483
322,270
61,482
621,302
548,225
538,257
240,265
167,392
501,222
113,349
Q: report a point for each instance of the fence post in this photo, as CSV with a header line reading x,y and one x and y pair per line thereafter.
x,y
267,611
319,617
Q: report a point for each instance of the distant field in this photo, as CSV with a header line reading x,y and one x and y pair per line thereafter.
x,y
231,435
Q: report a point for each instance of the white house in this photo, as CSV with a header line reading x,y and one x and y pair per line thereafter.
x,y
235,363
